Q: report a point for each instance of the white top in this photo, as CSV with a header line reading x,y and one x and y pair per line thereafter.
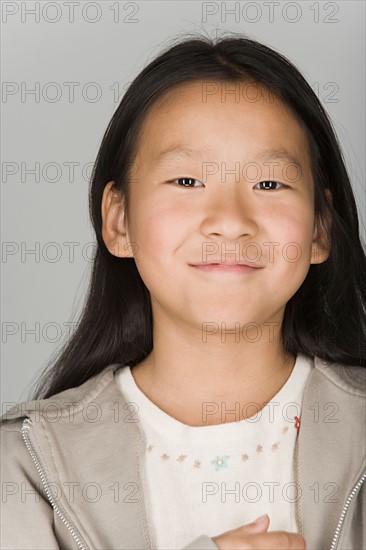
x,y
206,480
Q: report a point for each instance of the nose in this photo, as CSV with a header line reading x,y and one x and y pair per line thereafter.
x,y
228,214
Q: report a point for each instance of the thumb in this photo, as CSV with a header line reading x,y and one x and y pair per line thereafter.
x,y
258,526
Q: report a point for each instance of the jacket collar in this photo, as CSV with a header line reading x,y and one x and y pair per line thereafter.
x,y
109,451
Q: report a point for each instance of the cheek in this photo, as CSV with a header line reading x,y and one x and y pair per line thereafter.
x,y
158,231
294,234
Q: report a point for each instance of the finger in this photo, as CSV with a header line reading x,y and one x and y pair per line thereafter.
x,y
259,525
281,540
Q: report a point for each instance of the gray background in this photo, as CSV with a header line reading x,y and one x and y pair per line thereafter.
x,y
43,291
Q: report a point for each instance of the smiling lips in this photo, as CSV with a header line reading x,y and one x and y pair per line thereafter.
x,y
227,267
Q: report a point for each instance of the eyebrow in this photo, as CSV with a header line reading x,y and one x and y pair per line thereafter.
x,y
176,151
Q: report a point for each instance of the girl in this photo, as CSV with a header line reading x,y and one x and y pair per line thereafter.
x,y
217,372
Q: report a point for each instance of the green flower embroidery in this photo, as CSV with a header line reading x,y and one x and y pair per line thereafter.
x,y
220,462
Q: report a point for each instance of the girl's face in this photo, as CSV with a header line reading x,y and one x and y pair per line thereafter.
x,y
225,144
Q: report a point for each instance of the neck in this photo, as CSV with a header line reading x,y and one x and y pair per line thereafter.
x,y
183,372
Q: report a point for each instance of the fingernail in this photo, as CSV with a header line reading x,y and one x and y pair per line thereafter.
x,y
260,519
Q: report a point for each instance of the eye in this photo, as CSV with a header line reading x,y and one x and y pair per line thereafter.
x,y
189,182
270,185
186,182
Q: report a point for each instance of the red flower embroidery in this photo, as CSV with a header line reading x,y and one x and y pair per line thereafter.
x,y
297,423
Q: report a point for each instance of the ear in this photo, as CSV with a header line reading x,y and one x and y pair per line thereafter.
x,y
320,248
114,225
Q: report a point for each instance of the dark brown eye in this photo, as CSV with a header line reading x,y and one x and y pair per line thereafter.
x,y
271,185
186,182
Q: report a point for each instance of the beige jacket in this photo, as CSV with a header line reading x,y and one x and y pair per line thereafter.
x,y
71,468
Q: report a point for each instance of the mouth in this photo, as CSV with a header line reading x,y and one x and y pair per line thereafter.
x,y
227,267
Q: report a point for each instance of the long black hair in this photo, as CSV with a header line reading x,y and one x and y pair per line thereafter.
x,y
326,317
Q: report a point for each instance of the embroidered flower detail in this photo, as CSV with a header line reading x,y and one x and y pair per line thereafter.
x,y
285,429
244,457
275,446
297,423
197,464
181,458
150,448
220,462
259,448
165,456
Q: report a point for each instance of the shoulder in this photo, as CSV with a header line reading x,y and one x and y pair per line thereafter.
x,y
62,416
351,379
70,401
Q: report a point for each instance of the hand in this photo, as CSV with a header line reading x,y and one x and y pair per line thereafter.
x,y
254,537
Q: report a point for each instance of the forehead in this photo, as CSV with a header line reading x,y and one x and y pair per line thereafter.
x,y
222,118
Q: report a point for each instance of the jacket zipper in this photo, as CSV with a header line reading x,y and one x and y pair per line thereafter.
x,y
59,511
341,519
297,469
143,513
